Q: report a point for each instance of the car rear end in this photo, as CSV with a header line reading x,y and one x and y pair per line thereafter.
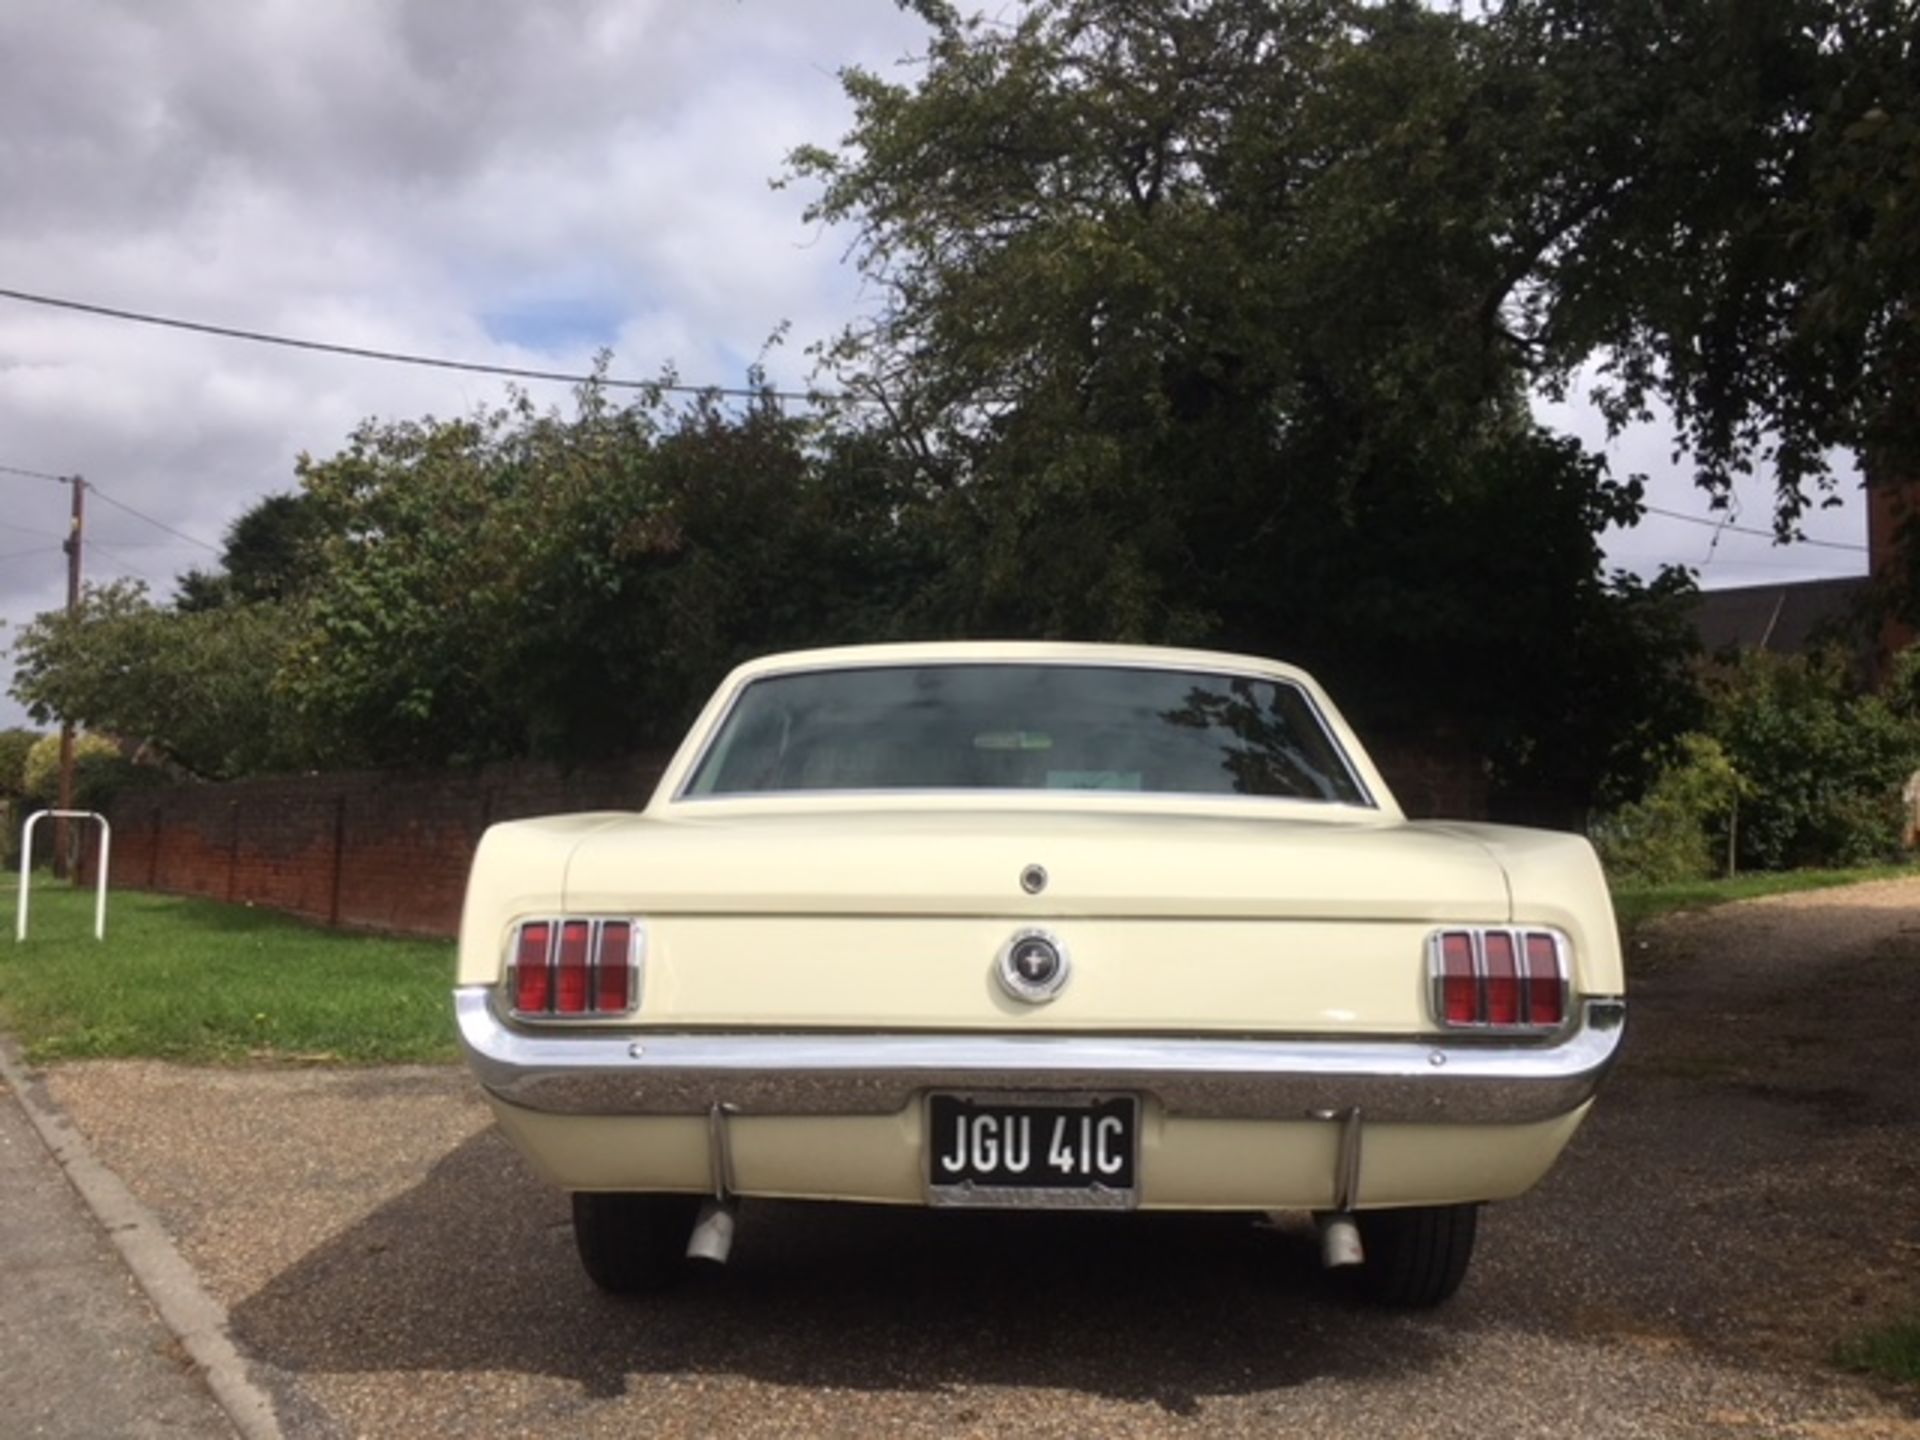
x,y
1068,1000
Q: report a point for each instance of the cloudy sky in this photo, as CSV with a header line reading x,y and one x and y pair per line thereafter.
x,y
500,182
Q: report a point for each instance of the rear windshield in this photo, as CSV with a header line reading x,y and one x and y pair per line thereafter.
x,y
1025,727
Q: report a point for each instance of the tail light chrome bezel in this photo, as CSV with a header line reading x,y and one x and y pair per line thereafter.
x,y
1525,978
598,928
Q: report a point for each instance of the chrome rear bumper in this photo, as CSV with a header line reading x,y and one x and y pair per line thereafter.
x,y
593,1071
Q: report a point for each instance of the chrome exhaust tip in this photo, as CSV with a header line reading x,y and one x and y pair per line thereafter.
x,y
1339,1239
712,1237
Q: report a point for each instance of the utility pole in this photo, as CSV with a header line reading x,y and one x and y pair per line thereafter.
x,y
72,546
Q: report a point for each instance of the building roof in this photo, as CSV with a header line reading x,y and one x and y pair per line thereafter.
x,y
1786,619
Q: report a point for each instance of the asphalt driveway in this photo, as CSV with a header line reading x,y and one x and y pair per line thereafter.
x,y
1743,1196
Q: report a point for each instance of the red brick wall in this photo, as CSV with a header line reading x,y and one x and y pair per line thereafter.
x,y
377,850
1433,779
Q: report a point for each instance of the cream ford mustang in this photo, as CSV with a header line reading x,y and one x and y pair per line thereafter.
x,y
1074,926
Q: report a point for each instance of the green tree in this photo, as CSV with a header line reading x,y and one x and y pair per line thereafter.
x,y
272,553
1902,686
1669,834
1826,760
1716,202
195,688
520,582
93,755
513,583
1199,325
14,745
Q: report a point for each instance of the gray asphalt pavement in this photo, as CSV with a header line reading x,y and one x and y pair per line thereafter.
x,y
82,1353
1744,1196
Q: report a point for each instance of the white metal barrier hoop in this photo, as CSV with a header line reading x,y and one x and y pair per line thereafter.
x,y
26,867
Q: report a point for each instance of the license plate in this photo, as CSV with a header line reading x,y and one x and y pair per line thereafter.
x,y
1064,1152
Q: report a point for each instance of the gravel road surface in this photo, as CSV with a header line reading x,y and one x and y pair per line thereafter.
x,y
1744,1195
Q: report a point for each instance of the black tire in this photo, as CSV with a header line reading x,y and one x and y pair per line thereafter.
x,y
1416,1257
632,1244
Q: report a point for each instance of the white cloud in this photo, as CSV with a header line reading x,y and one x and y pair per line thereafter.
x,y
401,176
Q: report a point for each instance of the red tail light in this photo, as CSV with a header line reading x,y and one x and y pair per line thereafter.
x,y
1546,982
1498,979
611,975
532,980
1503,979
1459,986
571,991
574,968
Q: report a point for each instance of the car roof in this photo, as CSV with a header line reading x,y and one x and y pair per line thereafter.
x,y
949,652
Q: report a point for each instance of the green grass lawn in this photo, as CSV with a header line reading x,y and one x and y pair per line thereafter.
x,y
1637,903
181,979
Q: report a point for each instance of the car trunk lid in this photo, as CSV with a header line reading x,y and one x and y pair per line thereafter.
x,y
1103,863
1173,923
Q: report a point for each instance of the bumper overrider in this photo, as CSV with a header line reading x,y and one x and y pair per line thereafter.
x,y
1441,1081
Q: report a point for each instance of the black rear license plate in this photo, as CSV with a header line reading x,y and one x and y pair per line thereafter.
x,y
1059,1151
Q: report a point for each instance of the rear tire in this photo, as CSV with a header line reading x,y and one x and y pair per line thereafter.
x,y
632,1244
1418,1256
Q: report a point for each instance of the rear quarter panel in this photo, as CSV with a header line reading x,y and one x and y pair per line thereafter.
x,y
1554,878
519,868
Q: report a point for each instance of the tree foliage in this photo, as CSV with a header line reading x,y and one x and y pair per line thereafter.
x,y
515,582
272,553
1200,324
1826,758
1712,201
1669,834
1725,205
93,756
1796,764
14,745
520,582
196,687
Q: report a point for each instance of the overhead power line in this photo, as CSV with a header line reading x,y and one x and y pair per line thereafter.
x,y
124,563
35,550
1751,530
400,357
32,474
157,524
28,530
140,515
